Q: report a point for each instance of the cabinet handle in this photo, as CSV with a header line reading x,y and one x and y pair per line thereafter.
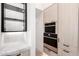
x,y
66,51
65,45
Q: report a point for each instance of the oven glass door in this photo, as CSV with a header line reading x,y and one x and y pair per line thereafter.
x,y
50,41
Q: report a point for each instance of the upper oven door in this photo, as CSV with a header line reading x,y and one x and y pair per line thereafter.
x,y
50,29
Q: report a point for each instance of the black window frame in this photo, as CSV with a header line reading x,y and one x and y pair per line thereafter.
x,y
3,5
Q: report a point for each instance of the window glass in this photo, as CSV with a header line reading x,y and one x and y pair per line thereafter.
x,y
14,17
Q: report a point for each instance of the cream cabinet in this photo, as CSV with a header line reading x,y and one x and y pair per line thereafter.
x,y
66,16
68,29
50,14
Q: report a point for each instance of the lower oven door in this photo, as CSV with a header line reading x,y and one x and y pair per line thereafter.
x,y
50,43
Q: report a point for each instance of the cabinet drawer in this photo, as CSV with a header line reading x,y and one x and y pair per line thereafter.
x,y
66,52
64,49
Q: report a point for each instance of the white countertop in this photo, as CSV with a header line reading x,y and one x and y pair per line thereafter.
x,y
13,48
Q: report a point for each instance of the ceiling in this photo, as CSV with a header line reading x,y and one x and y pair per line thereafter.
x,y
43,6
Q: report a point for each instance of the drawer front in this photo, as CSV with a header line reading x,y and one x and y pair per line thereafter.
x,y
64,49
66,52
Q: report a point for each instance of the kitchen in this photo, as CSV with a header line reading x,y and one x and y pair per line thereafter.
x,y
49,29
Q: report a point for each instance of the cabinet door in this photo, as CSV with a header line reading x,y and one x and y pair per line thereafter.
x,y
50,14
68,27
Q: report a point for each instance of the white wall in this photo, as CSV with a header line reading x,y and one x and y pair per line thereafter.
x,y
39,30
31,24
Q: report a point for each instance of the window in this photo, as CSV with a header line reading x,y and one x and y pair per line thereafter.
x,y
14,17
